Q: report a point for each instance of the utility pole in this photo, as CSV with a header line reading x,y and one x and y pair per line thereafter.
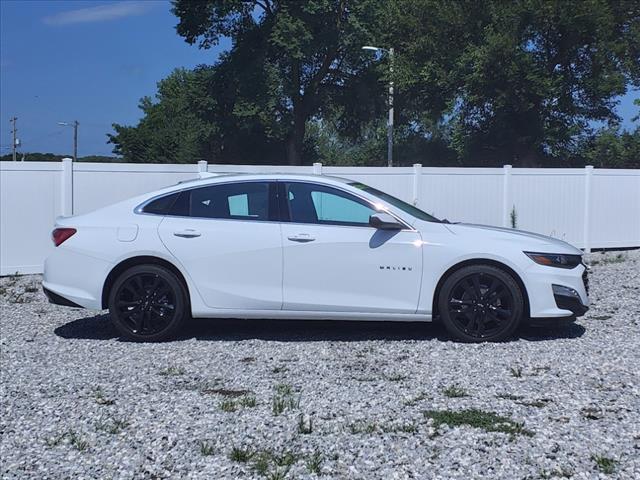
x,y
14,131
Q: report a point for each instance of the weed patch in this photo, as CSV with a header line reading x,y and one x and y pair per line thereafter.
x,y
487,421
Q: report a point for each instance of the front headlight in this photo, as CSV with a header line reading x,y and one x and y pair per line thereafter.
x,y
559,260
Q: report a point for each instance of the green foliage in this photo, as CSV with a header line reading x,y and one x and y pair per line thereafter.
x,y
513,217
487,421
610,148
477,83
605,464
518,80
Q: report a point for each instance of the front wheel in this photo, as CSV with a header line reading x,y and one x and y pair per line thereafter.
x,y
481,303
148,303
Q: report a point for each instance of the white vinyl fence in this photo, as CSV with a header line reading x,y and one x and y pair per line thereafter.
x,y
590,208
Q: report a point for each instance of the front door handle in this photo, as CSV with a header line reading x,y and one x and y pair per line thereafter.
x,y
187,233
301,238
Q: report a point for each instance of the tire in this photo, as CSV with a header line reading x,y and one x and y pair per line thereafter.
x,y
148,303
481,303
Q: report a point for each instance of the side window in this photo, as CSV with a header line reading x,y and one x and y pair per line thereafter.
x,y
319,204
233,201
162,205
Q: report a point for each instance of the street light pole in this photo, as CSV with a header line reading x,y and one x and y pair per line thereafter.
x,y
391,91
75,136
390,122
75,140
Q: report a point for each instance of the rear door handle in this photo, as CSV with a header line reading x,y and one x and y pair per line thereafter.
x,y
301,238
187,233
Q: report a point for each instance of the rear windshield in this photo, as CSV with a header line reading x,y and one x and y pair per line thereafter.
x,y
396,202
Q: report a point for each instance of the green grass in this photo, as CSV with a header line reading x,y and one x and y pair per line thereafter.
x,y
240,455
228,406
314,463
77,442
206,448
248,402
516,372
55,440
619,258
454,391
268,464
606,465
172,371
101,399
487,421
284,389
283,400
373,427
114,426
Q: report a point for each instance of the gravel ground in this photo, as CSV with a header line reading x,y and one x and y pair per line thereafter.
x,y
265,399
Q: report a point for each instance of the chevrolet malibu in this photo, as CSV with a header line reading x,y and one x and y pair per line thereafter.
x,y
305,247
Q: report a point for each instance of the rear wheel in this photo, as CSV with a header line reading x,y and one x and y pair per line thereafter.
x,y
481,303
148,303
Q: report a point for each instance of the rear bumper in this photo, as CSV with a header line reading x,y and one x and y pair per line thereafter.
x,y
72,277
59,299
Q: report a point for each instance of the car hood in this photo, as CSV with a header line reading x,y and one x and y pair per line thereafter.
x,y
529,240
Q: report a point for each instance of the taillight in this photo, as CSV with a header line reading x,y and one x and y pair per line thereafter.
x,y
60,235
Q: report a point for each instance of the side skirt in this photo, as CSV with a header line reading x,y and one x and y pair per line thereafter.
x,y
314,315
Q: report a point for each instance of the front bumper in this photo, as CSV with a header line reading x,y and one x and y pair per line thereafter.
x,y
568,299
549,287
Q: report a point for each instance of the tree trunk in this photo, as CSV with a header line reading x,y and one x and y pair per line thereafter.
x,y
295,141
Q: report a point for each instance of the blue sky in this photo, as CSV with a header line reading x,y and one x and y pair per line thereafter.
x,y
92,61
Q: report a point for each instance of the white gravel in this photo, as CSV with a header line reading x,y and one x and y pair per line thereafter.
x,y
76,402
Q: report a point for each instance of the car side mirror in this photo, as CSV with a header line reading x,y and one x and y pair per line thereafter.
x,y
384,221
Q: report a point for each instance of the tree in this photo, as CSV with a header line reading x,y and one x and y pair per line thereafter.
x,y
529,77
302,51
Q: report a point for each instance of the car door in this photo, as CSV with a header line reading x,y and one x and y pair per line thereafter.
x,y
228,239
335,261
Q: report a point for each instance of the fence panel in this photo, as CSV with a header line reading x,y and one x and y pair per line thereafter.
x,y
30,200
615,208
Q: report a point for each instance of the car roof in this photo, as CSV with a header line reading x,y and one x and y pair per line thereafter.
x,y
226,177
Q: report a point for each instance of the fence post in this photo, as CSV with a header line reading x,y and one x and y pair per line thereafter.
x,y
417,181
588,172
66,187
506,194
317,168
202,166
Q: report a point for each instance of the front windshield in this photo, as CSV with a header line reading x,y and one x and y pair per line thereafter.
x,y
396,202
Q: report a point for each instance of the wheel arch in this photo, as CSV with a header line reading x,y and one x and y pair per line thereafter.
x,y
481,261
140,260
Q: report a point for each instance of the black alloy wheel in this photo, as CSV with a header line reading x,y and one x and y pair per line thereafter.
x,y
481,303
148,303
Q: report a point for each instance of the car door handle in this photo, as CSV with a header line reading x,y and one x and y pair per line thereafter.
x,y
187,233
301,237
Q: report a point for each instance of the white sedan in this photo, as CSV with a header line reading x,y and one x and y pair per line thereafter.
x,y
305,247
